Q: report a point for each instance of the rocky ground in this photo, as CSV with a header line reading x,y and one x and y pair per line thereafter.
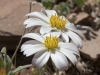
x,y
12,16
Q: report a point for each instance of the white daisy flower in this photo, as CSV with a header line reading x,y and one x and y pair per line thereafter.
x,y
49,46
52,22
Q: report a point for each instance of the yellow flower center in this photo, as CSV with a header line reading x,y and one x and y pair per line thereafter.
x,y
51,42
57,22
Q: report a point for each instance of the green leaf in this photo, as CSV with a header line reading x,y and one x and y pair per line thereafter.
x,y
1,57
7,62
47,4
20,68
5,59
79,2
63,8
1,63
3,50
10,73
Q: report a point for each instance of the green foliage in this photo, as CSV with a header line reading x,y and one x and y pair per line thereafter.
x,y
3,50
63,8
1,57
48,4
5,60
79,2
1,63
19,68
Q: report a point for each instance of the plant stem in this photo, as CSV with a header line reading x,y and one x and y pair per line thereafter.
x,y
30,3
18,46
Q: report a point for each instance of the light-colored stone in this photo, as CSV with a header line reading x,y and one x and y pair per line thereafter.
x,y
81,16
91,47
13,14
71,15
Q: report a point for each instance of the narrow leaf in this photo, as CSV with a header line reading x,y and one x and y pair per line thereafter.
x,y
1,63
1,57
3,50
20,68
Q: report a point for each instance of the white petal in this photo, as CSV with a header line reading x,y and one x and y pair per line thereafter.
x,y
35,48
59,60
79,33
73,52
39,15
50,12
70,25
34,22
75,38
65,37
69,46
69,55
57,34
40,58
28,44
34,36
45,29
